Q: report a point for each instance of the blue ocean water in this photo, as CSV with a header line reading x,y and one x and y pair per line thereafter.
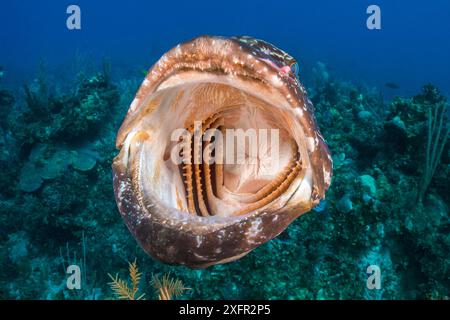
x,y
411,48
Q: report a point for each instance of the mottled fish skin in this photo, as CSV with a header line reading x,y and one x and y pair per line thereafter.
x,y
178,238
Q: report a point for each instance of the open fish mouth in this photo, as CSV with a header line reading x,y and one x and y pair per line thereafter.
x,y
219,152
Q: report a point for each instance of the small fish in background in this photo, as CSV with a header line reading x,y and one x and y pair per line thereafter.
x,y
2,73
392,85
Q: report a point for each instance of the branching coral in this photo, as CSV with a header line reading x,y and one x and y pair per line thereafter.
x,y
436,139
121,288
167,288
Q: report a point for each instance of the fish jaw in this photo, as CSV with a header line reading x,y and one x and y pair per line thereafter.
x,y
177,238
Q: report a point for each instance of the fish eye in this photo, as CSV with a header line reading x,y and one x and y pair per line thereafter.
x,y
295,69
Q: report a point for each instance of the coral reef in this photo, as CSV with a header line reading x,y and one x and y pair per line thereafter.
x,y
48,162
56,194
56,183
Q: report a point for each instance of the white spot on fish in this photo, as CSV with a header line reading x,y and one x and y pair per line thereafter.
x,y
198,239
327,177
221,234
299,112
310,143
276,81
134,104
255,228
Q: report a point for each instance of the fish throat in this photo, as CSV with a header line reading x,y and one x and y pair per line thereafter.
x,y
224,151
